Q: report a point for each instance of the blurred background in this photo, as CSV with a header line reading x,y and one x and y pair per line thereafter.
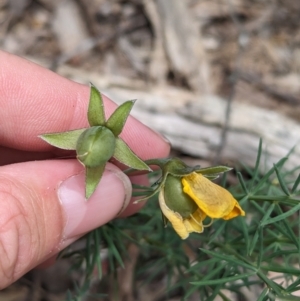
x,y
213,76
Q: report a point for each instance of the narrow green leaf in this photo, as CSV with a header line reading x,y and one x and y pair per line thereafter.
x,y
217,232
242,182
281,269
214,273
97,255
247,169
89,268
283,253
189,292
146,197
294,286
260,247
218,287
281,181
228,258
224,280
209,264
126,156
258,231
296,184
281,216
263,294
92,178
289,233
143,188
265,178
113,251
118,118
245,232
298,244
224,297
287,298
96,114
65,140
257,163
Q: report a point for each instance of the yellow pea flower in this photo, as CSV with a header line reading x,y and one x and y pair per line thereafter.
x,y
186,201
212,199
179,208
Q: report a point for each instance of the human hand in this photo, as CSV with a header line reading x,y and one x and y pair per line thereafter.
x,y
42,203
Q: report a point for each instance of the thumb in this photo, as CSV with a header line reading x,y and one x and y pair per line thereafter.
x,y
43,209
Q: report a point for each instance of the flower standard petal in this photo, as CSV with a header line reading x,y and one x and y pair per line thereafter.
x,y
236,211
212,199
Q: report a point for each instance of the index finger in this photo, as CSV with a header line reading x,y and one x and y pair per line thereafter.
x,y
34,100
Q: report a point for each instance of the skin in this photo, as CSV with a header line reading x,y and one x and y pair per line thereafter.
x,y
34,100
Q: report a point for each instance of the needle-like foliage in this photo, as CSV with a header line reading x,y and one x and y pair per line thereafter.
x,y
256,257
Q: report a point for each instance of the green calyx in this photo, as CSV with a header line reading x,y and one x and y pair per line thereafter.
x,y
176,199
96,145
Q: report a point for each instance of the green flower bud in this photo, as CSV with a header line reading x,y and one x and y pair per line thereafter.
x,y
176,199
95,146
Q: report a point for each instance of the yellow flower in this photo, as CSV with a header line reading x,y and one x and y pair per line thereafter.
x,y
188,200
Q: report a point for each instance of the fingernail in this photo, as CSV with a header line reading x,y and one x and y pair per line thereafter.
x,y
110,198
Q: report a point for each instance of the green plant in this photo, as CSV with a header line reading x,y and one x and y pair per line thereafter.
x,y
258,253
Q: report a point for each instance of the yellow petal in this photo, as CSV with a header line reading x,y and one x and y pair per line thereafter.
x,y
212,199
175,218
236,211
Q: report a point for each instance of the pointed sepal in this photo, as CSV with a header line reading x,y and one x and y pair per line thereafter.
x,y
118,118
96,114
65,140
213,170
125,155
93,176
